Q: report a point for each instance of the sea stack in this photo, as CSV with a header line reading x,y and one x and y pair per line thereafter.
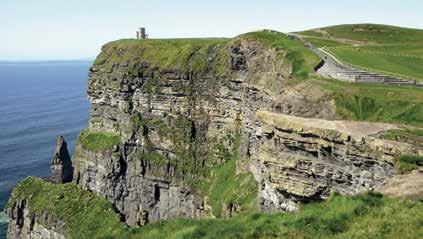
x,y
61,164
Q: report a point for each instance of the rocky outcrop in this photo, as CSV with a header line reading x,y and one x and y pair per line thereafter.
x,y
25,224
61,164
301,160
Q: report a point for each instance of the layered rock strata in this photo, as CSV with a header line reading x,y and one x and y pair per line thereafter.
x,y
301,160
172,121
165,113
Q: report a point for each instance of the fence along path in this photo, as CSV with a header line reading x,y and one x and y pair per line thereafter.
x,y
331,66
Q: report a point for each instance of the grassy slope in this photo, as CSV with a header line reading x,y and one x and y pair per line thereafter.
x,y
321,42
402,56
371,33
362,216
375,102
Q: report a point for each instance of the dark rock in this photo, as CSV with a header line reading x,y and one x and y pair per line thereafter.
x,y
61,164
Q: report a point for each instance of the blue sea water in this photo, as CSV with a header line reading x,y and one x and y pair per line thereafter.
x,y
38,102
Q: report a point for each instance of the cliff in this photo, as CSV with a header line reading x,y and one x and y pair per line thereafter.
x,y
202,128
176,108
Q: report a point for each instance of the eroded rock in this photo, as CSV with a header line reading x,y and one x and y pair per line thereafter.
x,y
61,164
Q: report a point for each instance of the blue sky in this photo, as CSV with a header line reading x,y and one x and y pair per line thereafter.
x,y
76,29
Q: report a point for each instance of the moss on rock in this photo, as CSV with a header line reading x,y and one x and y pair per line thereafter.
x,y
99,141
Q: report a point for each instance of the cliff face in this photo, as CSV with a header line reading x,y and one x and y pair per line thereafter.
x,y
175,110
165,114
173,122
302,159
25,223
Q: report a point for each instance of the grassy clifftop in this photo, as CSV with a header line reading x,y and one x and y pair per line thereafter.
x,y
363,216
198,55
163,53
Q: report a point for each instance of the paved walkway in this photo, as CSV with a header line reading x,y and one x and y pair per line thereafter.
x,y
332,67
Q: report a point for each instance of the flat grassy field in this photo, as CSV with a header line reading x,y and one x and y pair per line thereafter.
x,y
386,49
369,215
387,62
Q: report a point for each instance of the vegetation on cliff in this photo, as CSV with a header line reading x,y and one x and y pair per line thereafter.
x,y
229,192
98,141
363,216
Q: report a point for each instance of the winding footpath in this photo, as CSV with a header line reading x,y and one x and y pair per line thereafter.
x,y
334,68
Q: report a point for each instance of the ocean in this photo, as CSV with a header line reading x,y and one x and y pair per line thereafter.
x,y
38,102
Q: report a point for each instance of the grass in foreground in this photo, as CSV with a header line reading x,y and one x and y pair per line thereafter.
x,y
98,141
364,216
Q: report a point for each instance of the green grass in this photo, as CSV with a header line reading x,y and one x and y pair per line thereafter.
x,y
225,187
385,49
368,215
302,59
153,157
407,163
410,50
86,215
98,141
318,42
370,33
375,102
183,54
382,61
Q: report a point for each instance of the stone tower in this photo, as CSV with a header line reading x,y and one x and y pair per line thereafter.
x,y
141,33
